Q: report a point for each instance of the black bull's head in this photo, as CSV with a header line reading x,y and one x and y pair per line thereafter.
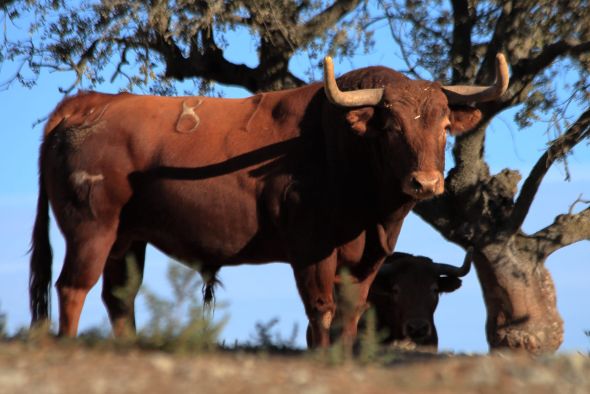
x,y
405,295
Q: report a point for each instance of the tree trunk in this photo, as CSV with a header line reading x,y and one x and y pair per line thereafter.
x,y
520,299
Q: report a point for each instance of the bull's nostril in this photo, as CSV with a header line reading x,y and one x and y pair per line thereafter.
x,y
417,329
416,185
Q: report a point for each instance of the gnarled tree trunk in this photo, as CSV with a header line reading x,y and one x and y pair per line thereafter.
x,y
520,299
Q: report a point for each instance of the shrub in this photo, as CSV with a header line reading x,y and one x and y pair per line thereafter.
x,y
180,324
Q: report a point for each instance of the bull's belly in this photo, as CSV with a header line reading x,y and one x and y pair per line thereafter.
x,y
209,222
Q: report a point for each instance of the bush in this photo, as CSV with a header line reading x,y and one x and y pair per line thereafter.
x,y
3,320
180,324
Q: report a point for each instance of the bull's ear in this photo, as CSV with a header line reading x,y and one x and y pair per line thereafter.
x,y
463,118
448,284
359,119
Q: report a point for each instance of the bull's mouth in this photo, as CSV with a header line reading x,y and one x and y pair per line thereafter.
x,y
417,330
421,195
421,341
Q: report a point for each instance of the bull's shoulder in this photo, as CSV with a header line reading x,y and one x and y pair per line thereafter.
x,y
75,109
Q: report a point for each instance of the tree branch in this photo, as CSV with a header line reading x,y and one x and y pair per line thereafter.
x,y
504,24
205,62
558,148
461,45
525,70
412,68
324,20
565,230
438,212
530,67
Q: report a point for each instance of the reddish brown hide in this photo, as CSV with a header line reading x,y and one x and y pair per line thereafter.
x,y
405,295
283,176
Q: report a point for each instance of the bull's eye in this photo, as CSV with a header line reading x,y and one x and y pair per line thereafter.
x,y
434,289
395,290
395,130
393,125
447,129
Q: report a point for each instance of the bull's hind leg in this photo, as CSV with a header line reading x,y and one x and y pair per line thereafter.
x,y
121,282
87,250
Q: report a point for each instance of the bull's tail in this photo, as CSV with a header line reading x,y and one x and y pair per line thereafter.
x,y
41,256
210,282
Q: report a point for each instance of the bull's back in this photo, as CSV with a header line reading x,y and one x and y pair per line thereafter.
x,y
184,169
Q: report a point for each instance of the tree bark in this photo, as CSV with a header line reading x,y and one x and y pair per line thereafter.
x,y
520,299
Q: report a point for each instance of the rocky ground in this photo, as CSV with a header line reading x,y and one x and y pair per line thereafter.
x,y
74,368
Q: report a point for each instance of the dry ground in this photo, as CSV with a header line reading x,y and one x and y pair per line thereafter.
x,y
74,368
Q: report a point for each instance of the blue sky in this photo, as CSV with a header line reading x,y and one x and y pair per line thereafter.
x,y
260,293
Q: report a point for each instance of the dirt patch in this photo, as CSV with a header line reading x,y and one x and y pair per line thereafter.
x,y
28,368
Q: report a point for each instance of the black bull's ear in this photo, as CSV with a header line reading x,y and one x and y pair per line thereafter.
x,y
463,118
448,284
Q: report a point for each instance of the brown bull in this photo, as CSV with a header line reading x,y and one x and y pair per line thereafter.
x,y
405,295
314,176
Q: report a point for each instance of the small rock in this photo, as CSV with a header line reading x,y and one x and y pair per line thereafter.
x,y
162,363
300,377
10,380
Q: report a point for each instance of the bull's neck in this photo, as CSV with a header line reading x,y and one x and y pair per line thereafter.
x,y
365,195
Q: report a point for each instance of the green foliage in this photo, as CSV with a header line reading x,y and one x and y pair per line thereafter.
x,y
450,43
98,336
267,340
3,320
367,345
179,324
152,45
369,338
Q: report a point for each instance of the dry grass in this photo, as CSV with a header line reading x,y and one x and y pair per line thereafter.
x,y
47,366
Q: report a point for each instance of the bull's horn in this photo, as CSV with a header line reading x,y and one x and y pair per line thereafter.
x,y
356,98
461,94
450,270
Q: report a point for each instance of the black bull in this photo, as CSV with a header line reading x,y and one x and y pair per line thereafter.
x,y
404,297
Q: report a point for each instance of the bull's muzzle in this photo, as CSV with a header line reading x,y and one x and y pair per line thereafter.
x,y
424,184
417,329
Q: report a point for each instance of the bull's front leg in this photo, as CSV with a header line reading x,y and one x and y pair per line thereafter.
x,y
352,302
316,286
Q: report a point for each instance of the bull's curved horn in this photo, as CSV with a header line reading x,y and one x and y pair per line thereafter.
x,y
356,98
450,270
461,94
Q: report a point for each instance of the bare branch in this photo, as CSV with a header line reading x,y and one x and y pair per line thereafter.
x,y
565,230
558,149
121,63
579,200
412,69
6,84
324,20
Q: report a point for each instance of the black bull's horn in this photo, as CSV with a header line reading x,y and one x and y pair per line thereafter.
x,y
456,94
450,270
